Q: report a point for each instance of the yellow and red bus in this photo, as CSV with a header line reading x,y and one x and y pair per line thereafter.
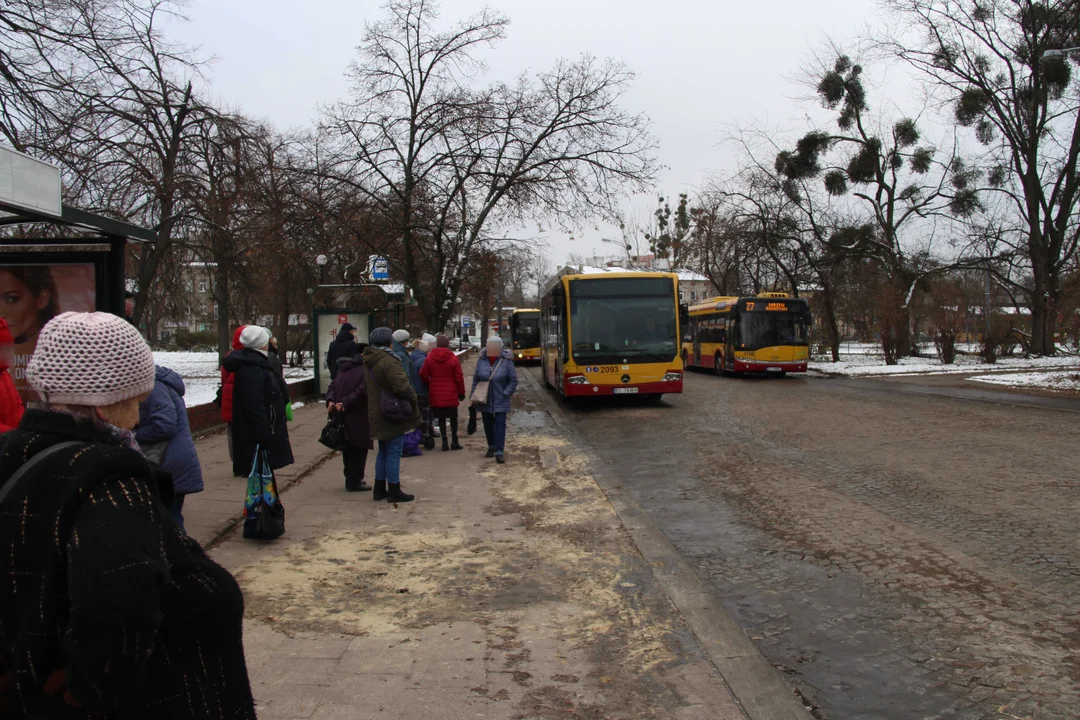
x,y
765,334
525,335
611,333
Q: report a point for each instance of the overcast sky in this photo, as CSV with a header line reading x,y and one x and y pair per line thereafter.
x,y
702,65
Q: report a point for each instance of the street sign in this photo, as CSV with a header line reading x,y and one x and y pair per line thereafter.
x,y
28,184
378,268
465,321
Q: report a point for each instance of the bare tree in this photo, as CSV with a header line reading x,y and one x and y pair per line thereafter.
x,y
448,162
94,86
989,60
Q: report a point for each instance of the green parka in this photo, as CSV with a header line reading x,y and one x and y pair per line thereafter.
x,y
385,373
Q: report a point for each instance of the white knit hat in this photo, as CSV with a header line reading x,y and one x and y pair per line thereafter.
x,y
401,335
255,337
428,338
91,359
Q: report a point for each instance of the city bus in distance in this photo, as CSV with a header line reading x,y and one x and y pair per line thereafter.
x,y
611,332
525,335
766,334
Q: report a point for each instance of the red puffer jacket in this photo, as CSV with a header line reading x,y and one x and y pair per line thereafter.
x,y
227,380
11,406
442,373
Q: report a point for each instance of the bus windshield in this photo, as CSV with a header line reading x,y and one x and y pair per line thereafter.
x,y
526,331
762,330
623,320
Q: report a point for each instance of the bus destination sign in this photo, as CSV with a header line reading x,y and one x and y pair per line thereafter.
x,y
759,306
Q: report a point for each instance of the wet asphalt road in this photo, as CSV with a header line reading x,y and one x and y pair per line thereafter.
x,y
896,554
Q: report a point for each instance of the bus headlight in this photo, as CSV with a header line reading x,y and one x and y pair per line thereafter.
x,y
672,377
577,380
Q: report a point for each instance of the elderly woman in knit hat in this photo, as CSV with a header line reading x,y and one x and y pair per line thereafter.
x,y
258,404
389,383
398,340
496,368
108,608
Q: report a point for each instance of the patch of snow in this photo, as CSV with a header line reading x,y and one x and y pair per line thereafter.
x,y
202,376
871,366
1068,380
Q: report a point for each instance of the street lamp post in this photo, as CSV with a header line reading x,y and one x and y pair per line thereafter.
x,y
321,261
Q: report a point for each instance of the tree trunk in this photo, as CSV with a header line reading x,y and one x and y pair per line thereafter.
x,y
1043,310
831,323
224,328
484,322
282,330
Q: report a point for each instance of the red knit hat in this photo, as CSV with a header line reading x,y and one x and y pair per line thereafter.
x,y
90,359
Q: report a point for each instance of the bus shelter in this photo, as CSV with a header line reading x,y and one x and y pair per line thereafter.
x,y
365,306
54,258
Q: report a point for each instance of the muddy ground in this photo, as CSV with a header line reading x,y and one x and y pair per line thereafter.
x,y
568,619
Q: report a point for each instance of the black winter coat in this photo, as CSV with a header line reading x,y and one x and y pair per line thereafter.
x,y
258,411
342,347
274,357
350,389
104,594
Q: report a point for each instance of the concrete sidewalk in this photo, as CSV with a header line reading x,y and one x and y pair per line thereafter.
x,y
503,592
213,512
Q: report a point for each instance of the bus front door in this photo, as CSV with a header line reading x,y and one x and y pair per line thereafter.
x,y
696,329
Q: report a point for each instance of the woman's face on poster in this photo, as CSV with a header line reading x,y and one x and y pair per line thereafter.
x,y
19,306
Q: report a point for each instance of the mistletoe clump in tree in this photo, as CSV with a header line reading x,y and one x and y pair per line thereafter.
x,y
898,187
668,241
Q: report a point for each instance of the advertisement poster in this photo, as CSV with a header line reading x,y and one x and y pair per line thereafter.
x,y
33,294
327,328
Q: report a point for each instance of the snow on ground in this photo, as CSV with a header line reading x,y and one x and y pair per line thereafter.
x,y
1068,380
874,365
202,377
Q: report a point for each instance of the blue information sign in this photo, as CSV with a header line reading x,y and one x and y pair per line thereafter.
x,y
380,268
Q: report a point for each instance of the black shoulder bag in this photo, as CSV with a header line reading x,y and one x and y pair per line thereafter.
x,y
35,460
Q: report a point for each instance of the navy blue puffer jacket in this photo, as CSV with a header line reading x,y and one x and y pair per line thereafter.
x,y
163,418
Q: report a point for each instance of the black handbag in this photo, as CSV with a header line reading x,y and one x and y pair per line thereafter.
x,y
333,434
270,522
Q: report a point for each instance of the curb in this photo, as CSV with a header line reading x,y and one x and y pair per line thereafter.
x,y
231,524
753,682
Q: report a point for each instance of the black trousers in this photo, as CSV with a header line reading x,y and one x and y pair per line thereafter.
x,y
453,429
355,460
